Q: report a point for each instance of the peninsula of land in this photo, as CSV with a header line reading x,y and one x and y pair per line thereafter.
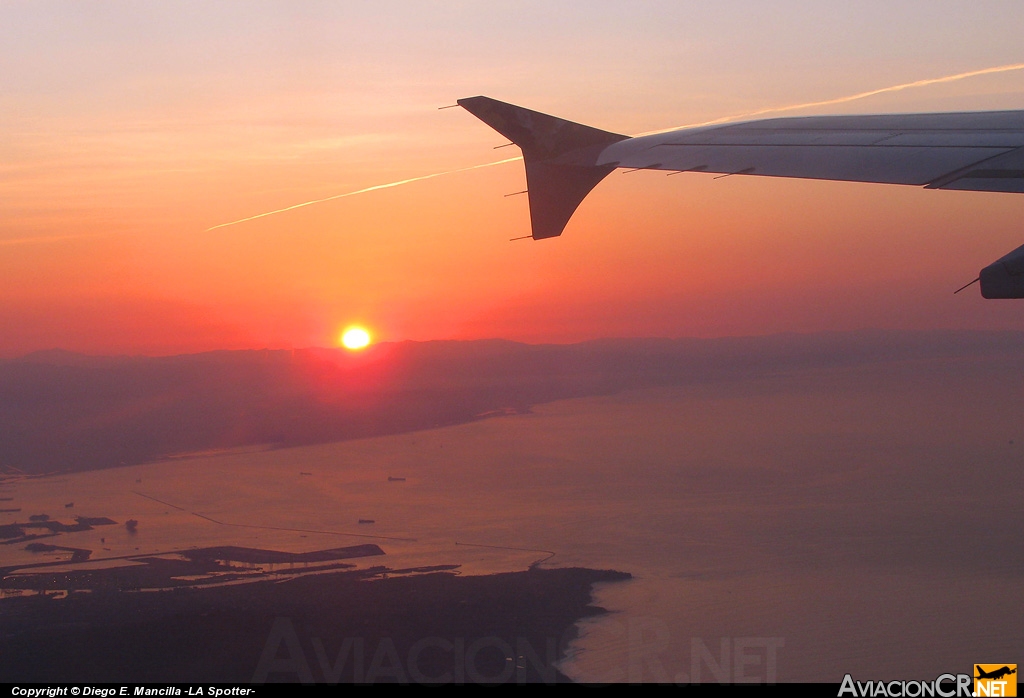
x,y
336,627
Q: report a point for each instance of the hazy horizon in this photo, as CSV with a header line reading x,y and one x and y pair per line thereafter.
x,y
63,410
56,351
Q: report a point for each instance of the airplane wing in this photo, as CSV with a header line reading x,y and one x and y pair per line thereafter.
x,y
979,151
976,151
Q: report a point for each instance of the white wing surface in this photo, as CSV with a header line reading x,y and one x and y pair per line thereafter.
x,y
976,151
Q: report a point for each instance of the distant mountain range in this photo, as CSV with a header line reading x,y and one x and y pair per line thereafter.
x,y
61,411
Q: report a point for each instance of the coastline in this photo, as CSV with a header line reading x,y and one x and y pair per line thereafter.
x,y
335,627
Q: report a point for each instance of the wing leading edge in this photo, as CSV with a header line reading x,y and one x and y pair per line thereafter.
x,y
974,151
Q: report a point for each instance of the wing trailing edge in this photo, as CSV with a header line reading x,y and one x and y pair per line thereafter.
x,y
560,157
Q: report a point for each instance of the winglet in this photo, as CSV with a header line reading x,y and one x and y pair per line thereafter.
x,y
560,158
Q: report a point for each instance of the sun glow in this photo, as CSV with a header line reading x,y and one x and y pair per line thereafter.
x,y
355,338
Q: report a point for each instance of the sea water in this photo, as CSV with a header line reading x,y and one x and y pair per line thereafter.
x,y
795,527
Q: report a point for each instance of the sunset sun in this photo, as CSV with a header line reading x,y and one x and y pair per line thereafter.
x,y
355,338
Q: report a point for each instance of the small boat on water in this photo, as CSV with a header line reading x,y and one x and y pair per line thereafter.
x,y
367,521
396,479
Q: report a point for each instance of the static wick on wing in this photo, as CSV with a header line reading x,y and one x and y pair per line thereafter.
x,y
966,285
652,166
747,170
698,168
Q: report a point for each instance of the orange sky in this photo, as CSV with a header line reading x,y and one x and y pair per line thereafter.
x,y
128,130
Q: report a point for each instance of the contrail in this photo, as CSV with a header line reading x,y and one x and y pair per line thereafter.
x,y
849,98
758,113
363,191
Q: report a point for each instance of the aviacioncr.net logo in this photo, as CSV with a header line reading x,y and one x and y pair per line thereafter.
x,y
945,686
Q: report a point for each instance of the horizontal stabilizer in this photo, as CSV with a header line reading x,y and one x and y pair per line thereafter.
x,y
560,158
